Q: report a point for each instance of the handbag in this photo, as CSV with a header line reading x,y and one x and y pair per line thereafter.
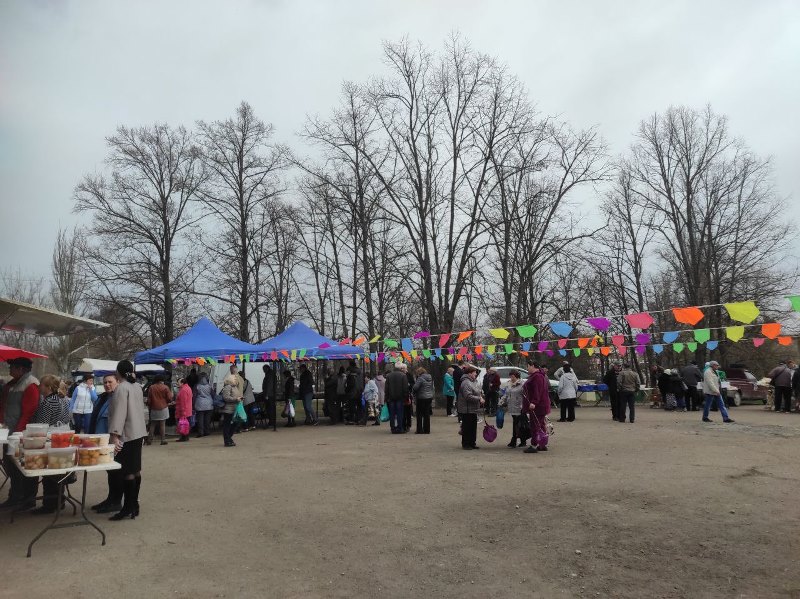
x,y
500,417
183,426
523,428
489,432
384,413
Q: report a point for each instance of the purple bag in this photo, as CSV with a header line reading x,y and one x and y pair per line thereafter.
x,y
489,433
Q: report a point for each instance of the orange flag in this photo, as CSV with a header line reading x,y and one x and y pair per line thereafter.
x,y
770,330
785,340
583,341
463,335
689,316
605,350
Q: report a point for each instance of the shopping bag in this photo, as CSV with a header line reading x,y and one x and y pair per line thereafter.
x,y
183,426
240,415
384,413
489,433
291,409
500,417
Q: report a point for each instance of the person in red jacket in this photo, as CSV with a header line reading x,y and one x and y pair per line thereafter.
x,y
183,405
18,403
536,404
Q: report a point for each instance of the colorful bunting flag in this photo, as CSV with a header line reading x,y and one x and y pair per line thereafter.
x,y
690,316
526,330
640,349
463,335
785,340
770,330
605,350
562,343
359,340
526,346
390,343
426,353
599,324
734,333
541,346
583,342
422,334
509,347
302,354
443,339
671,336
479,349
795,300
490,349
618,340
712,345
745,312
702,335
590,351
563,352
640,320
406,344
345,341
758,341
576,351
622,350
658,348
677,347
324,345
375,339
692,346
562,329
499,333
642,338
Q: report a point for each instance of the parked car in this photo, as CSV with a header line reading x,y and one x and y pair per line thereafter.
x,y
505,374
746,386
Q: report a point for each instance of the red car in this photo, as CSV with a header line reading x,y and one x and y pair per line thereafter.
x,y
747,387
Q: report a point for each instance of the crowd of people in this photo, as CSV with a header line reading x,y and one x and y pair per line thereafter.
x,y
135,415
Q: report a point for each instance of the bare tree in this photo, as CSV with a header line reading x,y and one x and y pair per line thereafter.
x,y
139,219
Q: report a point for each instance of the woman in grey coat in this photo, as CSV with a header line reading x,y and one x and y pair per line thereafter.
x,y
512,401
423,393
203,405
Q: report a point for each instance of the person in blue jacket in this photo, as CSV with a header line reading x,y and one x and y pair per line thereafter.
x,y
99,424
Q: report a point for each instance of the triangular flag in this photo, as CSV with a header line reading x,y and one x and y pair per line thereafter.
x,y
391,343
600,324
443,339
618,339
463,335
583,341
413,353
509,348
479,349
770,330
622,350
426,353
294,354
785,340
734,333
359,340
522,352
590,351
605,350
526,330
302,354
422,334
690,316
658,348
345,341
576,351
692,346
324,345
563,352
562,343
375,339
795,300
671,336
642,338
541,346
406,355
562,329
550,353
640,320
490,349
712,345
677,347
406,344
640,349
702,335
499,333
758,341
526,346
745,312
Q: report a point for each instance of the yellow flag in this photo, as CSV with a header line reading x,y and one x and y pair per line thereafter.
x,y
745,312
734,333
499,333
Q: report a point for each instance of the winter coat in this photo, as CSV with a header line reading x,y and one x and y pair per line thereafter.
x,y
568,386
513,398
448,389
126,413
628,381
423,387
183,403
691,375
230,393
469,396
371,391
781,376
396,386
248,397
711,382
536,394
204,397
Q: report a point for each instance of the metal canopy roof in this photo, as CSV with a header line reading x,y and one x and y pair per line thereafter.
x,y
25,318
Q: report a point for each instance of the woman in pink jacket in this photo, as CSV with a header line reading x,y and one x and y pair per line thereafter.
x,y
183,405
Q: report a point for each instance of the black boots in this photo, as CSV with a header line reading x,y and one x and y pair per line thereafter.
x,y
130,508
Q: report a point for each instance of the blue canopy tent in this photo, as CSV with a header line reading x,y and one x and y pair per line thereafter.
x,y
204,339
299,336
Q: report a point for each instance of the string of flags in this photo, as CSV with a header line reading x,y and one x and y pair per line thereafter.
x,y
567,341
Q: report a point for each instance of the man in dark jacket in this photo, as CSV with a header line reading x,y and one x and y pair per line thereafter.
x,y
396,394
491,390
269,387
353,388
610,380
692,376
781,378
306,392
458,372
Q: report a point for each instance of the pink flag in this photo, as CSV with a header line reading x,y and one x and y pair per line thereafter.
x,y
758,341
641,320
422,334
618,340
622,350
562,343
443,339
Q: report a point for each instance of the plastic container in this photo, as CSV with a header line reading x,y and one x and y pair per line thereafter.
x,y
94,440
88,456
106,454
36,430
61,439
35,459
33,442
60,458
13,447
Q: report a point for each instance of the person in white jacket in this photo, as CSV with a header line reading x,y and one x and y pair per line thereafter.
x,y
567,393
711,390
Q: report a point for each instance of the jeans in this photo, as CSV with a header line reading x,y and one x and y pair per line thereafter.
x,y
627,399
783,397
203,419
424,415
720,402
311,415
81,422
227,428
396,415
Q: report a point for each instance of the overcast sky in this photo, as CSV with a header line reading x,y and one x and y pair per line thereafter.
x,y
70,72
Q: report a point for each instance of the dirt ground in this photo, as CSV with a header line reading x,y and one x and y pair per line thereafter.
x,y
666,507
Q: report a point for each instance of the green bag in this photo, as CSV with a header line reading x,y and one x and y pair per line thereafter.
x,y
240,415
385,413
